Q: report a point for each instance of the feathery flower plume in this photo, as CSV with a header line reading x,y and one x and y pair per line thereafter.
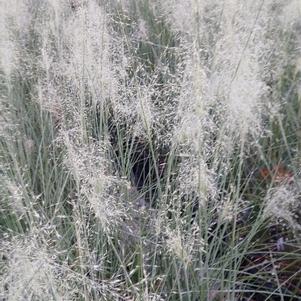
x,y
283,205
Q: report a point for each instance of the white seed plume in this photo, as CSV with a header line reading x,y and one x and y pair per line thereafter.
x,y
97,185
31,273
283,204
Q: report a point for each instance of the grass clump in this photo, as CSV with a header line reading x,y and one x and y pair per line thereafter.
x,y
149,150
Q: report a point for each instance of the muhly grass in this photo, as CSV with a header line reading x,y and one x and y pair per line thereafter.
x,y
150,150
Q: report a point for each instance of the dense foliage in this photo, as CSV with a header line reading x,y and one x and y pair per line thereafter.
x,y
150,150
